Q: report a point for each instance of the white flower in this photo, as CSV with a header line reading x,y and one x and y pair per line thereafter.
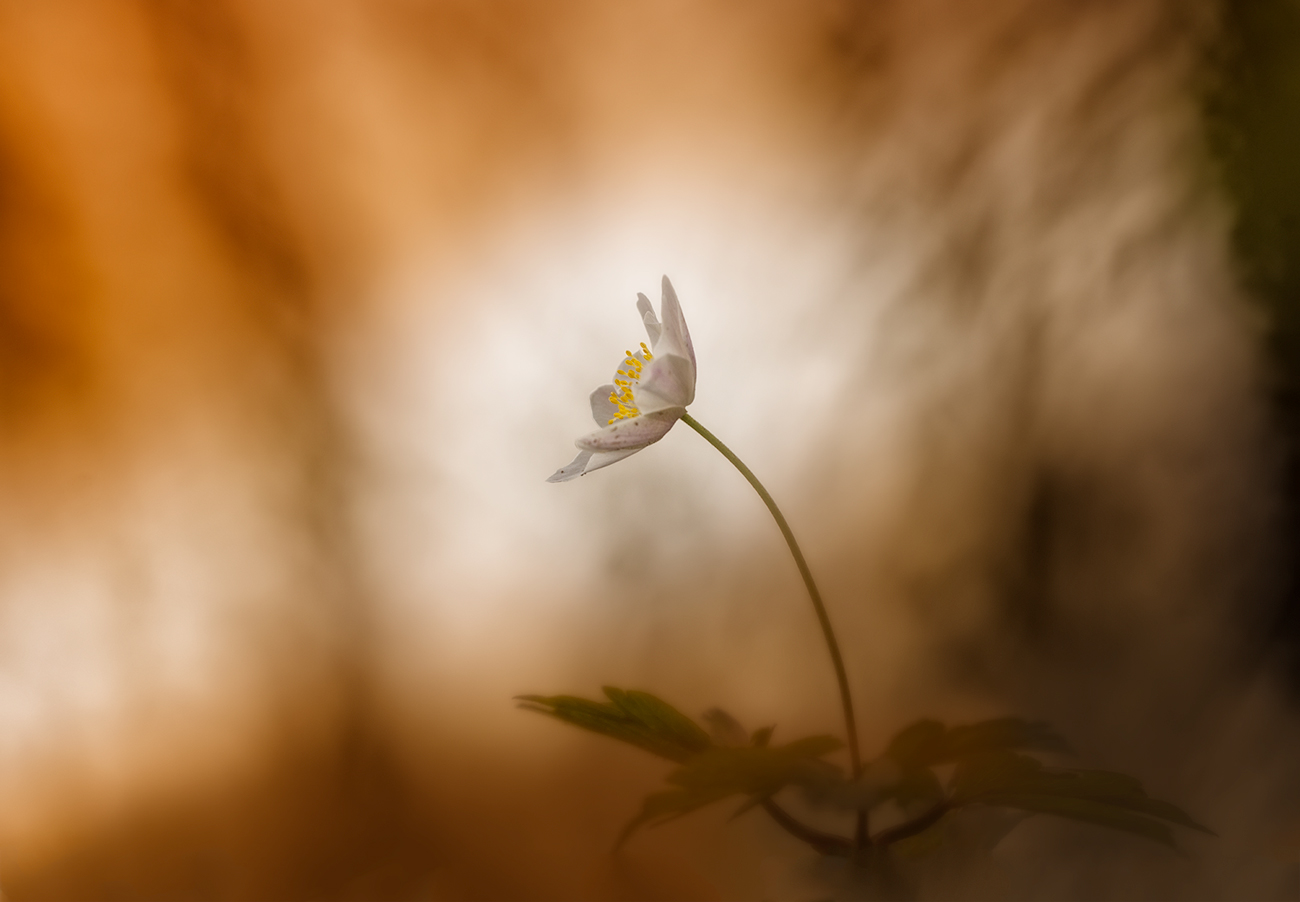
x,y
650,391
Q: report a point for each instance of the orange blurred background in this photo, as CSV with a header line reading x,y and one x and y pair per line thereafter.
x,y
301,303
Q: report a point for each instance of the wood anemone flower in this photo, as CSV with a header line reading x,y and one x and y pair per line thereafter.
x,y
649,393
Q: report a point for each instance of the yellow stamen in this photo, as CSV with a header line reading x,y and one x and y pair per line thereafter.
x,y
622,397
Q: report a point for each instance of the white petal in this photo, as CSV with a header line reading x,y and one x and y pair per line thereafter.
x,y
587,461
602,408
676,337
605,458
573,470
652,327
669,381
635,433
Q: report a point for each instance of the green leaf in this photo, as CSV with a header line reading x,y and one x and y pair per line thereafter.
x,y
919,786
723,771
1091,811
661,807
809,747
928,743
1110,799
1001,733
756,771
1119,790
992,772
879,782
637,718
725,729
918,745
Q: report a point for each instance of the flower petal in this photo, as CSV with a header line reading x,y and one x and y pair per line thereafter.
x,y
573,470
602,408
676,337
605,458
669,381
634,433
586,461
652,327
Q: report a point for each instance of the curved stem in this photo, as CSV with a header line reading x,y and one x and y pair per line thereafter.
x,y
824,843
850,722
914,826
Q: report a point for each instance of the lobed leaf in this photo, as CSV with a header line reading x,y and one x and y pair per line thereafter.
x,y
879,782
637,718
1091,811
725,729
1110,799
1125,790
928,743
919,786
1002,733
756,772
661,807
917,745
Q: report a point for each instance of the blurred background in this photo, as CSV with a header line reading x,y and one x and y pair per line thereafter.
x,y
300,303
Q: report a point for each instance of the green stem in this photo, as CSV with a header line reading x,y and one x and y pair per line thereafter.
x,y
850,722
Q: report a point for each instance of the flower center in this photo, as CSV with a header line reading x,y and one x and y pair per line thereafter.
x,y
630,370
